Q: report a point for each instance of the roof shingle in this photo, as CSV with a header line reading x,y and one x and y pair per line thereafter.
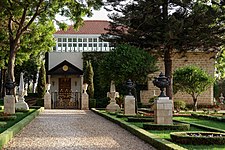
x,y
89,27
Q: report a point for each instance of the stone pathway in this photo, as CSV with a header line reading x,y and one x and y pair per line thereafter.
x,y
74,130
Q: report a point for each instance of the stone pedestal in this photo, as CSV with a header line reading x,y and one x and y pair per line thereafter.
x,y
129,105
163,111
21,104
113,107
85,101
9,104
47,100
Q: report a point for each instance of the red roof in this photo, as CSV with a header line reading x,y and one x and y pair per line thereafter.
x,y
89,27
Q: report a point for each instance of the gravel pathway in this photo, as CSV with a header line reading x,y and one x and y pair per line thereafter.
x,y
74,130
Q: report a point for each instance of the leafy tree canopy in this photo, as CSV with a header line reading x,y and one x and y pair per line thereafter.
x,y
164,26
25,19
192,80
127,62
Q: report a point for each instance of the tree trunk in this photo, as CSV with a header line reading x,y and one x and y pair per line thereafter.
x,y
195,103
168,71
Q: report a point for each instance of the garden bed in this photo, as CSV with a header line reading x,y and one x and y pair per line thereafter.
x,y
198,138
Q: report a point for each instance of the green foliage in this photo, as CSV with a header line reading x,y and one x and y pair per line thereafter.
x,y
27,25
88,78
192,80
29,68
175,126
126,62
41,82
179,105
152,99
95,58
164,26
198,138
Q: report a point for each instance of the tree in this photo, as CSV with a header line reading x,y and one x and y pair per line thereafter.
x,y
126,62
192,80
41,82
166,27
20,15
88,78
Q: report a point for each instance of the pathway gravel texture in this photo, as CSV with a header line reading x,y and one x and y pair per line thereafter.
x,y
74,130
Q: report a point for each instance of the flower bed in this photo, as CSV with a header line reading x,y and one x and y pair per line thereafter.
x,y
198,138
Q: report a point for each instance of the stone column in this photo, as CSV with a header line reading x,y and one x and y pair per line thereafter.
x,y
129,105
85,98
163,111
9,99
9,104
47,97
21,104
113,106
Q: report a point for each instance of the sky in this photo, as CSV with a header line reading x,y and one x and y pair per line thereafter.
x,y
98,15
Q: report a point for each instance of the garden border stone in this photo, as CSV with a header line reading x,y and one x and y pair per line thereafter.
x,y
146,136
8,134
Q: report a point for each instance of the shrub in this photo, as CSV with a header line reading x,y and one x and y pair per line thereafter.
x,y
198,138
102,103
175,126
152,99
179,105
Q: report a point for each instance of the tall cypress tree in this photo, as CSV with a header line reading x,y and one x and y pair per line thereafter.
x,y
164,26
41,82
88,78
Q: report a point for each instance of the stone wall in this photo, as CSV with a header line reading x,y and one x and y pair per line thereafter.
x,y
204,60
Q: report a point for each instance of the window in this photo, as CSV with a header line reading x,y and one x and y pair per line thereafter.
x,y
84,39
59,40
89,39
69,40
79,39
95,39
64,39
74,39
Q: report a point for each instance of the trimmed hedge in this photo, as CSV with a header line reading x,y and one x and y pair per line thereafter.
x,y
175,126
8,134
198,138
6,118
140,119
148,137
208,117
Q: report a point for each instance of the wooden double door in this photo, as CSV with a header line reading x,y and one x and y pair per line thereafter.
x,y
66,99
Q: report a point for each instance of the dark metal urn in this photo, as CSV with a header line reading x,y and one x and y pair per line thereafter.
x,y
130,86
161,82
9,85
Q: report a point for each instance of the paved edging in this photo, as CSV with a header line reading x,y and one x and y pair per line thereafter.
x,y
142,134
8,134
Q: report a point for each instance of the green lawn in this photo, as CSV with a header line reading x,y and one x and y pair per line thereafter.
x,y
165,134
19,116
209,123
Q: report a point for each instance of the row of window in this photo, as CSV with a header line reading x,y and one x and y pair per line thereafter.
x,y
81,44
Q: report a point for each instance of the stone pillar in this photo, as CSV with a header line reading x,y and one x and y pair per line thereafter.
x,y
113,106
85,98
129,105
47,97
21,104
9,104
163,111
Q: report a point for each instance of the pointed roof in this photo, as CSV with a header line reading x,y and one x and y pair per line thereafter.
x,y
65,68
89,27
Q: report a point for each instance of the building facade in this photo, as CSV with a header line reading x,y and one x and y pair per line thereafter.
x,y
65,63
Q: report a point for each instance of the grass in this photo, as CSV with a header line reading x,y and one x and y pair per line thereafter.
x,y
165,134
19,116
209,123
